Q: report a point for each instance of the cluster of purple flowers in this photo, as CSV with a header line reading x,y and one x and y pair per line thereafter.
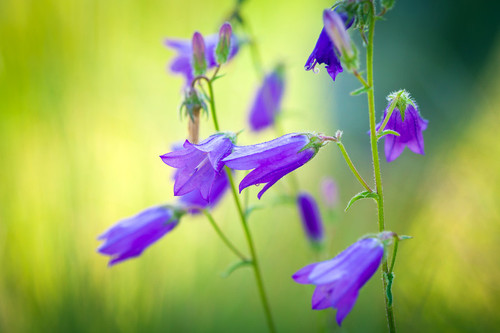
x,y
202,169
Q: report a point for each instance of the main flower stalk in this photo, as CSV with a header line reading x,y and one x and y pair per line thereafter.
x,y
376,160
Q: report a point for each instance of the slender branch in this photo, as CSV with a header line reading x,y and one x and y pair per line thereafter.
x,y
361,79
243,219
375,157
352,167
223,237
255,263
394,253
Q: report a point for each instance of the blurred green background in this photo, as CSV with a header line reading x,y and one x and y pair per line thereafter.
x,y
87,106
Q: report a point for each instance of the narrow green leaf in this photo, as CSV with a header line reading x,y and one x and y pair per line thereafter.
x,y
403,237
235,266
218,77
361,90
388,291
361,195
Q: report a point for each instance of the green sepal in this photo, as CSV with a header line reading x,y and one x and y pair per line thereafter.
x,y
362,195
235,266
361,90
389,277
405,237
386,132
388,4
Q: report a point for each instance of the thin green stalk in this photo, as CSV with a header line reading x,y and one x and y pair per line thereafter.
x,y
243,219
352,167
375,157
394,253
255,263
223,237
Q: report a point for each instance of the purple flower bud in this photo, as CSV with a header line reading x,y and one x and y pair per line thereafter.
x,y
339,280
336,30
311,217
273,159
410,130
182,63
224,45
199,61
324,53
130,237
330,192
267,102
198,165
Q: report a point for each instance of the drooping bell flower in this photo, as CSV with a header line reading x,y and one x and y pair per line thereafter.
x,y
198,165
267,102
311,217
339,280
325,53
273,159
410,128
337,31
182,63
130,237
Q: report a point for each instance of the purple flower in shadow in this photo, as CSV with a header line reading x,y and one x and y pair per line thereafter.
x,y
410,132
194,202
339,280
325,53
198,165
130,237
311,217
273,159
267,102
183,62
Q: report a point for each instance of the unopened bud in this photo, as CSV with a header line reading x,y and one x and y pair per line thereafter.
x,y
335,28
224,45
199,61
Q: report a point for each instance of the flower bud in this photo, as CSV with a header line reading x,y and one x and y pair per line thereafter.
x,y
199,61
335,28
311,217
224,44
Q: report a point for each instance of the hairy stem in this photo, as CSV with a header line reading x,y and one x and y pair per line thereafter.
x,y
376,161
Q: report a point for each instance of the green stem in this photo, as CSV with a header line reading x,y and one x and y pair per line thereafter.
x,y
212,105
223,237
241,213
394,253
352,167
375,157
255,263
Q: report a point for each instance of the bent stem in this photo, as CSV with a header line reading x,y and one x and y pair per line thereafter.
x,y
376,162
223,237
352,167
243,219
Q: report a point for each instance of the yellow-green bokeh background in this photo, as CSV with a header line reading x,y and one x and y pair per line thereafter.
x,y
87,106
